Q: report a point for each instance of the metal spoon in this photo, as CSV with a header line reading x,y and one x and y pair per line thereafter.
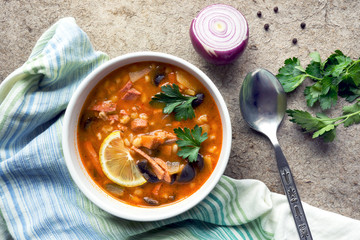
x,y
263,105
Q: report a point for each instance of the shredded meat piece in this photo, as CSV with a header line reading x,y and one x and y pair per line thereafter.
x,y
126,87
128,93
131,94
163,165
104,106
159,172
158,165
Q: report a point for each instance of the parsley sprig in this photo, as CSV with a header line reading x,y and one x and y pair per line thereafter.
x,y
175,102
337,75
189,142
322,125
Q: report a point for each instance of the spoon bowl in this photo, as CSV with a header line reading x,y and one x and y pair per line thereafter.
x,y
263,106
262,101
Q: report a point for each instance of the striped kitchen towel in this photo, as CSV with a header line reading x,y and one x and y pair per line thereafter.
x,y
39,200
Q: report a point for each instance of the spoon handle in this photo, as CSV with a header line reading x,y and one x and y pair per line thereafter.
x,y
292,195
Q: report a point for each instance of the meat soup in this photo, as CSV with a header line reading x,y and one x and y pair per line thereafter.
x,y
149,134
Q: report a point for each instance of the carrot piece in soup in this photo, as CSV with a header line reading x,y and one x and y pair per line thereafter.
x,y
138,124
172,77
166,150
94,158
156,189
150,141
176,124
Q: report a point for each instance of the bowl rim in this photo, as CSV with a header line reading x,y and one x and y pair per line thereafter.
x,y
78,172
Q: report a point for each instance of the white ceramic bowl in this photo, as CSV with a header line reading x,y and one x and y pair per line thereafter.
x,y
78,171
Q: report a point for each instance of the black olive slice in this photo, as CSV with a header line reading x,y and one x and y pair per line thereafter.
x,y
187,174
199,100
158,78
199,163
151,201
147,173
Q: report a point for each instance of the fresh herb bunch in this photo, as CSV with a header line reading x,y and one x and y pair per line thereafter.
x,y
322,125
175,102
189,142
337,75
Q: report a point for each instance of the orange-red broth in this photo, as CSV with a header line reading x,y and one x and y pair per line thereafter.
x,y
97,130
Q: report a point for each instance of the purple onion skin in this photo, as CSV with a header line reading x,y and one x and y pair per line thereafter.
x,y
223,57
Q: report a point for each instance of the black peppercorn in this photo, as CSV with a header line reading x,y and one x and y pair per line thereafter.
x,y
276,9
259,14
294,41
266,27
303,25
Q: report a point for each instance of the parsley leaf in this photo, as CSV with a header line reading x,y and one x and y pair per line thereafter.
x,y
319,125
336,63
175,102
353,72
329,99
353,113
349,94
322,125
189,142
314,69
315,56
312,94
291,75
307,121
316,66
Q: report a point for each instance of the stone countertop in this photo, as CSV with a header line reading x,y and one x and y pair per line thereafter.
x,y
327,174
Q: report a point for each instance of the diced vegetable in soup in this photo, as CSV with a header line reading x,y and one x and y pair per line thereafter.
x,y
149,134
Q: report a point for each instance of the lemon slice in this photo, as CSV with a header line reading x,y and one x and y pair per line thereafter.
x,y
117,162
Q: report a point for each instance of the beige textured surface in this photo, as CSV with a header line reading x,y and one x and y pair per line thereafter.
x,y
327,175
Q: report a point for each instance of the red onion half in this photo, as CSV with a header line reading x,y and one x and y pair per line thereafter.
x,y
219,33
